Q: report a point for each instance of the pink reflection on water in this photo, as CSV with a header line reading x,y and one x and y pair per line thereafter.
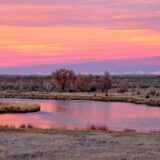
x,y
80,114
52,107
17,120
49,107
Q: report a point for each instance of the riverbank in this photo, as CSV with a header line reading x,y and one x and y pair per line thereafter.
x,y
12,107
37,144
84,96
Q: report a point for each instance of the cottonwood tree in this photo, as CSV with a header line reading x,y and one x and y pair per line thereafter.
x,y
83,83
106,81
64,79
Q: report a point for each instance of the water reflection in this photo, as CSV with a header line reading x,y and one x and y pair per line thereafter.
x,y
81,114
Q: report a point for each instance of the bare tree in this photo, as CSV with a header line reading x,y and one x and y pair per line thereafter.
x,y
21,85
106,81
83,83
64,79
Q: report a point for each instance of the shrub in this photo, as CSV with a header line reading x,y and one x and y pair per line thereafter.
x,y
30,126
138,92
147,95
130,130
152,92
22,126
92,127
7,126
123,86
97,128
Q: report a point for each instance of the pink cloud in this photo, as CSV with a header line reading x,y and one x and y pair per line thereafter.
x,y
123,14
65,31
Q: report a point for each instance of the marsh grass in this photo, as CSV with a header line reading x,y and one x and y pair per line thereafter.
x,y
97,128
15,107
132,97
22,126
27,126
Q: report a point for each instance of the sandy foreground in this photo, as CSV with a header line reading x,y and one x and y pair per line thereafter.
x,y
21,144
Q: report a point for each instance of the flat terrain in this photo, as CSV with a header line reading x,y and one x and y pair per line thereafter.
x,y
112,96
17,144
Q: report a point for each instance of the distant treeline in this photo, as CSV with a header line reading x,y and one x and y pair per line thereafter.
x,y
64,80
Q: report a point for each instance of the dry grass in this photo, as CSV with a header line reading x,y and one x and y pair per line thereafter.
x,y
37,144
111,96
14,107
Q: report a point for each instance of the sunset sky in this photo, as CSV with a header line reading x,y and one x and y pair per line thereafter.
x,y
122,36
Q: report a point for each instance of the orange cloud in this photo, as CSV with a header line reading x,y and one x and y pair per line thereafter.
x,y
43,45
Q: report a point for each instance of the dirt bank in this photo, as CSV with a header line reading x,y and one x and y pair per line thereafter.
x,y
21,144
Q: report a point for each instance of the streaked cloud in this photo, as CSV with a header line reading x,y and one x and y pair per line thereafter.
x,y
111,14
42,45
64,31
146,65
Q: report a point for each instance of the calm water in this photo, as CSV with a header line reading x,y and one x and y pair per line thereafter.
x,y
80,114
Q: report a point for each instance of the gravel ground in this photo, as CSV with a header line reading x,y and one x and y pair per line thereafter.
x,y
21,144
